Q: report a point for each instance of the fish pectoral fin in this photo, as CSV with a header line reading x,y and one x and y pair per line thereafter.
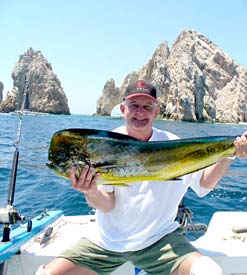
x,y
106,165
174,179
121,184
177,179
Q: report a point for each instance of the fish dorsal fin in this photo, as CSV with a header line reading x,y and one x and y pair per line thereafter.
x,y
98,133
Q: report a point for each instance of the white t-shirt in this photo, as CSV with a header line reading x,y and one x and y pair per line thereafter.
x,y
144,212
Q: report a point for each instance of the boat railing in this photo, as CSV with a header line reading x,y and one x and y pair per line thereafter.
x,y
185,218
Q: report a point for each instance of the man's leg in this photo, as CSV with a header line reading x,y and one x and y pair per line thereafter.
x,y
84,258
61,266
173,254
197,264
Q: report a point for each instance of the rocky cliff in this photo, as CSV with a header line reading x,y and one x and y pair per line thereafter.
x,y
44,92
196,81
1,91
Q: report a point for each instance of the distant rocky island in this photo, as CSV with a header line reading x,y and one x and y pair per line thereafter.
x,y
44,92
196,81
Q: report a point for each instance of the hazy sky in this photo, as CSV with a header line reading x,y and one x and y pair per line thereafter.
x,y
89,42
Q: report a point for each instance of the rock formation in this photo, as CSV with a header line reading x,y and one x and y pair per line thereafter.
x,y
43,88
110,98
196,81
1,91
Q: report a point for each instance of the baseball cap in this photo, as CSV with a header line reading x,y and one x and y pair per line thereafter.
x,y
140,88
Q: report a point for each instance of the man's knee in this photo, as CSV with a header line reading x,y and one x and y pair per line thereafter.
x,y
42,271
205,266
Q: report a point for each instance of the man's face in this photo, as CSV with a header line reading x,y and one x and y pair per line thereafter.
x,y
139,113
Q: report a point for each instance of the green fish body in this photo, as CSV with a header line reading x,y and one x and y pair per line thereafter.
x,y
121,159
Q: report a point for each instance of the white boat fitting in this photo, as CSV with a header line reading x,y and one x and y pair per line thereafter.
x,y
52,232
226,241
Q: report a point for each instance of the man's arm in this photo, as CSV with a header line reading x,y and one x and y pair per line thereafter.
x,y
86,184
214,173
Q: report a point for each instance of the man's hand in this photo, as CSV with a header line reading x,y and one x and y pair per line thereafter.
x,y
241,146
86,182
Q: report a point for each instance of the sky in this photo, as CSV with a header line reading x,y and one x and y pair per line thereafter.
x,y
89,42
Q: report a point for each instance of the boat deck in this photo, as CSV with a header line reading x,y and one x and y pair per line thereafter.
x,y
222,242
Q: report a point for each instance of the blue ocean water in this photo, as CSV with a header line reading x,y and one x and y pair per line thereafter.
x,y
38,188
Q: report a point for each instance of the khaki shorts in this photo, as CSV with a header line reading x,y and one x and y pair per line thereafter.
x,y
161,258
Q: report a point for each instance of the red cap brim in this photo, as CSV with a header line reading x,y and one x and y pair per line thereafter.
x,y
141,94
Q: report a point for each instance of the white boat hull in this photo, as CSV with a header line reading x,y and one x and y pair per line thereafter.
x,y
224,245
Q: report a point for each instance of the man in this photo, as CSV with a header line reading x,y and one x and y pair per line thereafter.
x,y
137,223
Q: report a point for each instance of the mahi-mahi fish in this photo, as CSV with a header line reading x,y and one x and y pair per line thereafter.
x,y
121,159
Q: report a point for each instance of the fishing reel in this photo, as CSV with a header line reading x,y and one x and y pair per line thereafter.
x,y
9,215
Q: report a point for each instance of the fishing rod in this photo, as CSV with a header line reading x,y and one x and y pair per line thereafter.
x,y
16,153
9,214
